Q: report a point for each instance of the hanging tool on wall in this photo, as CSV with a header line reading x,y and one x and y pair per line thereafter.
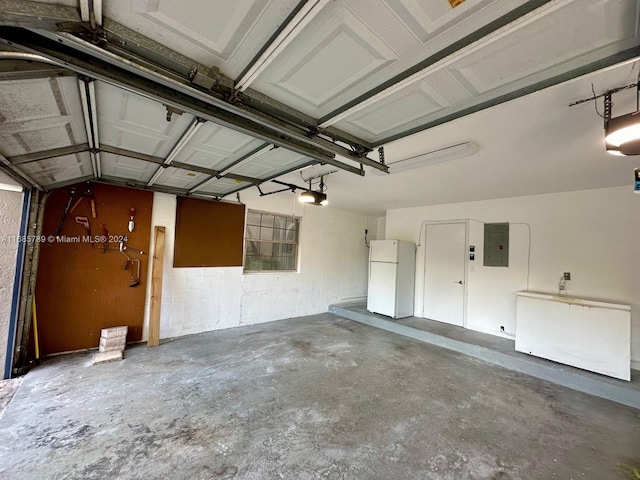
x,y
134,263
88,193
72,193
136,266
132,214
84,221
124,248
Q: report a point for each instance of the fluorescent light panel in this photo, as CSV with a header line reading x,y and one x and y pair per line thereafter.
x,y
431,158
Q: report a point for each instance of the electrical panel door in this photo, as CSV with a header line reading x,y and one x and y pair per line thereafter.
x,y
496,244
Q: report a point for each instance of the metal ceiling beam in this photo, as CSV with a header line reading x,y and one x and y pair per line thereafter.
x,y
66,183
20,65
280,174
131,44
246,157
302,133
30,14
46,154
252,154
18,175
147,53
482,32
195,168
123,152
184,166
168,92
271,109
89,113
151,55
214,173
549,82
242,178
26,70
84,147
141,185
179,145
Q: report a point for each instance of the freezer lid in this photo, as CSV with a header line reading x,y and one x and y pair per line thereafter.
x,y
383,251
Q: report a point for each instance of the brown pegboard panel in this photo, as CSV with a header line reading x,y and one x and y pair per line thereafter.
x,y
81,288
208,234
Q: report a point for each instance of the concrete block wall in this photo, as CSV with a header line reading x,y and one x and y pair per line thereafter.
x,y
332,267
10,212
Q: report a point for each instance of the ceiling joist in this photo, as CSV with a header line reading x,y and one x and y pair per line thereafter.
x,y
89,112
137,53
172,93
46,154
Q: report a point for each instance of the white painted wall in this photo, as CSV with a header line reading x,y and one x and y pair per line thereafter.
x,y
594,234
333,261
10,212
382,228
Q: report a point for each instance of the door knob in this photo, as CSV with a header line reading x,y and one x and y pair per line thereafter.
x,y
459,281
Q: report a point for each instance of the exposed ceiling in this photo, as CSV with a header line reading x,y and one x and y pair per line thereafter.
x,y
533,145
222,96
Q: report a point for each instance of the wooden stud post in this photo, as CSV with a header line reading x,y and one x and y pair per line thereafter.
x,y
156,288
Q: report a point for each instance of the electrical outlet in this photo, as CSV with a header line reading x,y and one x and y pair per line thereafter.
x,y
502,328
567,275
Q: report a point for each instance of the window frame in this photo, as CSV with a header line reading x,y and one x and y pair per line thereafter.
x,y
298,219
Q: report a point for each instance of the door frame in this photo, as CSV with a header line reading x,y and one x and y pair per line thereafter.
x,y
421,265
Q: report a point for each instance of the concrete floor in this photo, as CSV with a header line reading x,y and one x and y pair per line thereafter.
x,y
498,351
316,397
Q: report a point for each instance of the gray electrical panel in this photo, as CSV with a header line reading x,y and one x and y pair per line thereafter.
x,y
496,244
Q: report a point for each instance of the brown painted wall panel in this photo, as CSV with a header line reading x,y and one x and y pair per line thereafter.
x,y
81,289
208,234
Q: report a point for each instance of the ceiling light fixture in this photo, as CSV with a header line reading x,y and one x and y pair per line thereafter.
x,y
313,197
622,134
445,154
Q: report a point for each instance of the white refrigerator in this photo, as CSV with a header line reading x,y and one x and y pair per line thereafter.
x,y
391,277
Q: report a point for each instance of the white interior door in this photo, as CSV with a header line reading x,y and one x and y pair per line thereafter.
x,y
444,275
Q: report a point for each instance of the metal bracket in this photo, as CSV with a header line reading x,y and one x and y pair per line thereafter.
x,y
171,110
233,97
97,35
608,105
313,131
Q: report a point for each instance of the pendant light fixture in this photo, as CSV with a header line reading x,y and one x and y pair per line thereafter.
x,y
313,197
622,134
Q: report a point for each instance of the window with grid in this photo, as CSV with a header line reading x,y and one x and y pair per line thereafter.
x,y
271,242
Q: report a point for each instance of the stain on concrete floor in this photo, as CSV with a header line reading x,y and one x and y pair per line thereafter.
x,y
315,397
8,389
